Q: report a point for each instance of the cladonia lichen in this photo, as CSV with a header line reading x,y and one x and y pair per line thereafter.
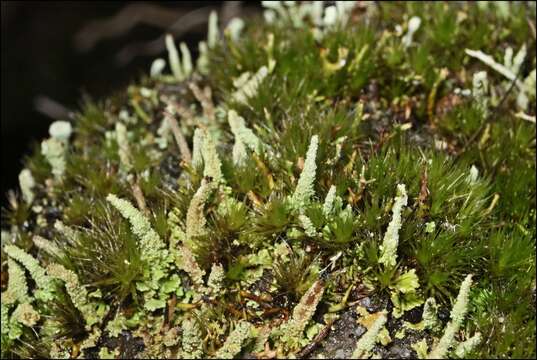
x,y
39,275
27,183
77,292
305,185
191,341
232,345
388,249
247,84
195,217
457,317
368,340
291,331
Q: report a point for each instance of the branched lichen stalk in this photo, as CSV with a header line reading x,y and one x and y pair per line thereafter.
x,y
76,291
212,165
291,331
216,278
151,244
197,144
467,346
192,341
248,88
388,249
27,183
153,249
328,205
195,217
123,146
242,133
232,345
457,316
187,262
17,288
46,245
304,189
39,274
429,317
367,341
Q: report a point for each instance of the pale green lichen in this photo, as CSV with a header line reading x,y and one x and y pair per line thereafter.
x,y
212,32
4,317
116,325
60,130
420,348
67,231
413,26
212,164
26,315
291,332
233,344
242,133
216,279
197,143
181,68
195,216
510,69
77,293
192,342
151,245
124,151
17,291
368,340
47,246
480,87
186,261
17,288
156,67
404,296
27,183
152,248
202,64
54,148
329,201
234,28
187,59
173,58
39,274
177,234
307,225
247,85
54,151
388,249
239,153
92,339
430,314
467,346
104,353
301,13
304,189
457,316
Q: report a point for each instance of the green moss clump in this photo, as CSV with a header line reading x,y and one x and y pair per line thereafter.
x,y
329,166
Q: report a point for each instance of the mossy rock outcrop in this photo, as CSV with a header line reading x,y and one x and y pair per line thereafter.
x,y
332,180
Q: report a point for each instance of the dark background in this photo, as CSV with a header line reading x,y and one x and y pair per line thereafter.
x,y
55,52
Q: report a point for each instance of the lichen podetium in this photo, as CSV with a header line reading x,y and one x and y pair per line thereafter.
x,y
336,179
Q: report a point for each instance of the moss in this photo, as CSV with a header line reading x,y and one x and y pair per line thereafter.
x,y
280,205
